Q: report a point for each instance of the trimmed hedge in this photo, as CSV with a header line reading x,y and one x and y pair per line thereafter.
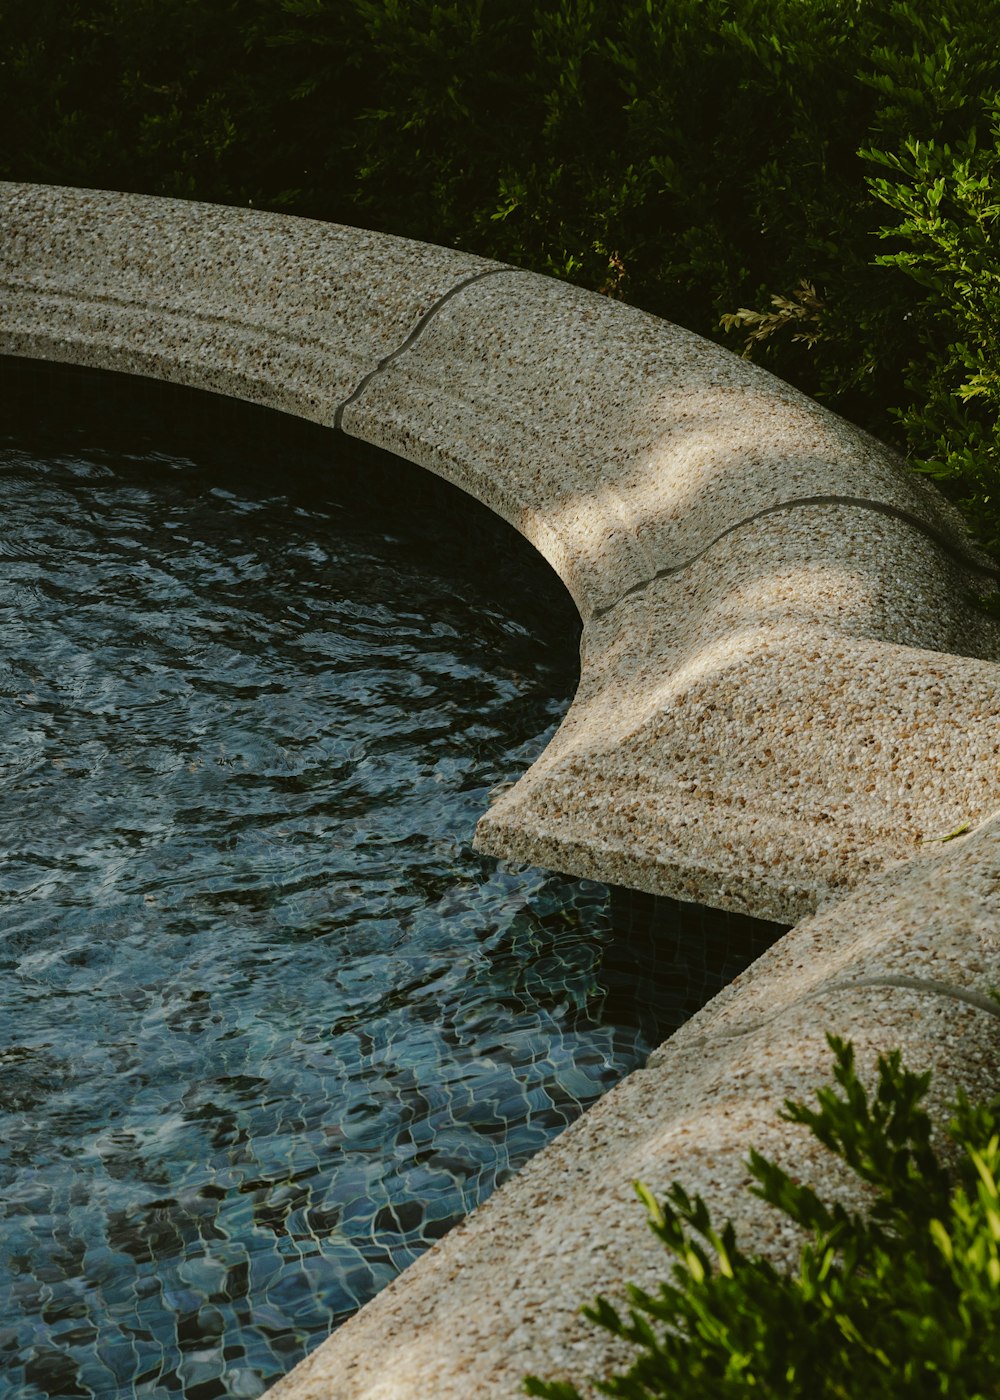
x,y
815,181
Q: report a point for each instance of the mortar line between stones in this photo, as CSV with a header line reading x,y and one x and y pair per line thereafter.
x,y
915,984
415,335
858,502
925,984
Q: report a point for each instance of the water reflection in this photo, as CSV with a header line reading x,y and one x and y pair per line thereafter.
x,y
268,1026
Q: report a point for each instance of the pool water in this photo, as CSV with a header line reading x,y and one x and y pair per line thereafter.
x,y
268,1025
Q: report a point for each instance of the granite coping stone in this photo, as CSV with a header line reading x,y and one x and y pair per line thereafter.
x,y
794,649
787,702
932,922
499,1296
705,792
567,399
283,311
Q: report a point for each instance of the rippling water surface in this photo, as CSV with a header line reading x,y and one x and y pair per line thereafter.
x,y
268,1026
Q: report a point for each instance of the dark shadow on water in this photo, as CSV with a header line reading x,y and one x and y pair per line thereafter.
x,y
255,448
268,1025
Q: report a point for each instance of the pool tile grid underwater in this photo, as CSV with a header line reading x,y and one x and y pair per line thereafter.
x,y
262,1045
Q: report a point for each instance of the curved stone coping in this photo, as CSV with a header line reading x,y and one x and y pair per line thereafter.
x,y
285,312
784,728
783,690
784,686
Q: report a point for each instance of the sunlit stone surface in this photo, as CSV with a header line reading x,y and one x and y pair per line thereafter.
x,y
786,686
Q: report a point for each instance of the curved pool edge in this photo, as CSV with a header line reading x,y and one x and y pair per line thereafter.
x,y
785,697
907,961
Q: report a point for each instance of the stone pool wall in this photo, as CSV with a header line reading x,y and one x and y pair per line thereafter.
x,y
788,698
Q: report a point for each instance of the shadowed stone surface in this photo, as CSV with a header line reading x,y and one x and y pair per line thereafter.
x,y
786,689
500,1296
777,611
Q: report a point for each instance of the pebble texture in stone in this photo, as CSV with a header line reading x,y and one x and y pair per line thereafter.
x,y
786,688
619,443
787,728
785,685
277,310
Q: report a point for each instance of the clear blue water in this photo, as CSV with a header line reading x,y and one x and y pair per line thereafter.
x,y
268,1025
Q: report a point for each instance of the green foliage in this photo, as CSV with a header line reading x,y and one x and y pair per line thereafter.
x,y
901,1301
947,200
811,181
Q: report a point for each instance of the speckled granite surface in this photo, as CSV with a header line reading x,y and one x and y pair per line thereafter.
x,y
619,443
779,641
907,961
276,310
785,690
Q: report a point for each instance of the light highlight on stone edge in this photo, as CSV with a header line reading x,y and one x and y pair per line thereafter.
x,y
786,689
767,710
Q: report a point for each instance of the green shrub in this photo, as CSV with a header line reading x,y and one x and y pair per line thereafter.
x,y
900,1302
948,242
727,164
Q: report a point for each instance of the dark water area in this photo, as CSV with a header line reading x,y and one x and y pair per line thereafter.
x,y
268,1025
